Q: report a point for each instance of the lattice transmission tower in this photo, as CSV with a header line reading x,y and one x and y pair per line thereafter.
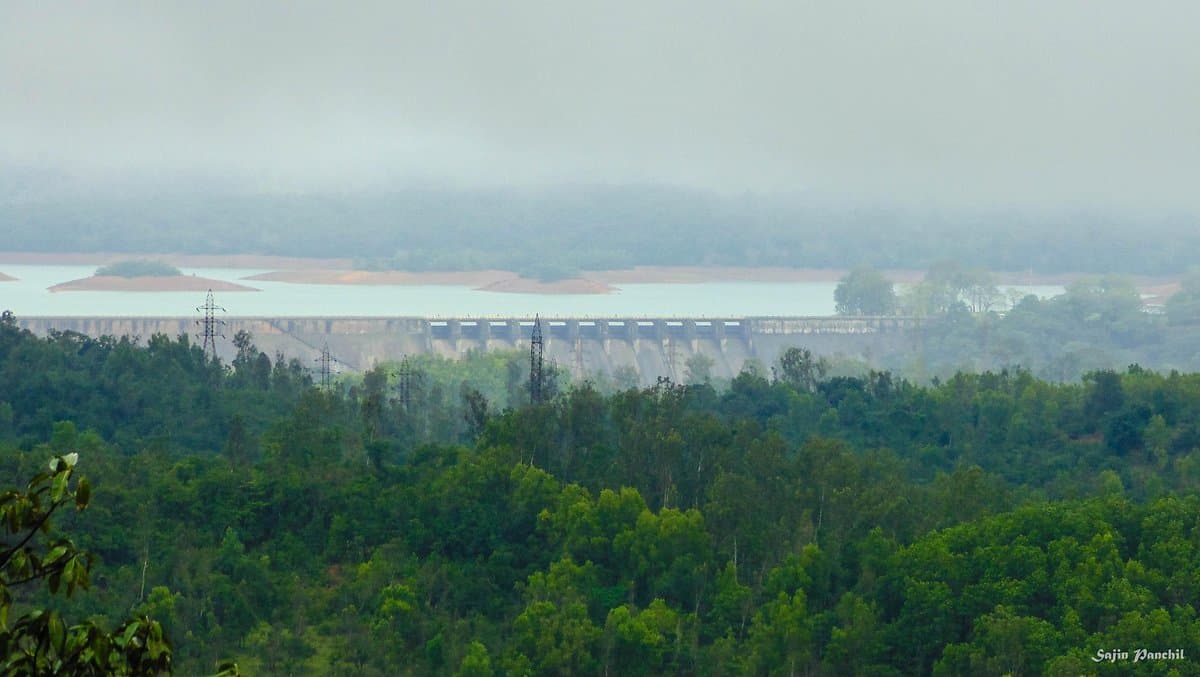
x,y
672,358
406,384
579,373
537,376
209,325
326,362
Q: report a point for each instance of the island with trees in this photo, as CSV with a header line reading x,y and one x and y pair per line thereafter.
x,y
145,275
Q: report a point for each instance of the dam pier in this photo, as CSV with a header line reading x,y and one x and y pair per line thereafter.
x,y
652,346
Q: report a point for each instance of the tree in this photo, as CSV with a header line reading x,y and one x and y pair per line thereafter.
x,y
1005,643
626,377
553,635
781,641
979,290
477,662
699,369
1103,300
40,642
645,642
475,409
865,291
802,370
947,283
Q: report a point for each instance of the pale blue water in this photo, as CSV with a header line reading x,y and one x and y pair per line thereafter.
x,y
28,296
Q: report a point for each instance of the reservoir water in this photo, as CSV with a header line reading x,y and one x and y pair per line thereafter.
x,y
29,296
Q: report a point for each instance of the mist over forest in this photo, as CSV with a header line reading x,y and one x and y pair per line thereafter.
x,y
590,227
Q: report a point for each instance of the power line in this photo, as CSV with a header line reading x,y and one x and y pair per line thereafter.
x,y
209,324
406,384
326,361
537,377
672,356
579,358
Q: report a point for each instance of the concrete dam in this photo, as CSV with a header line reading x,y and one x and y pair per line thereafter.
x,y
652,346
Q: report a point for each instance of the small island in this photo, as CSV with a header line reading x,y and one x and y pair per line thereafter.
x,y
6,278
141,275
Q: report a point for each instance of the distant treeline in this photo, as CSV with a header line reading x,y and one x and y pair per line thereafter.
x,y
138,269
556,234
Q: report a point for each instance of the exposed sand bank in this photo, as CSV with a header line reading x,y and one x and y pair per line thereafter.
x,y
606,281
522,285
593,282
339,272
501,281
471,278
6,278
188,283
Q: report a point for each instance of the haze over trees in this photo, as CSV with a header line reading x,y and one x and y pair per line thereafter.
x,y
947,284
967,324
1183,307
557,232
865,291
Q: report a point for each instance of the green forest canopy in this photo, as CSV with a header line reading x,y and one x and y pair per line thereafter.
x,y
992,523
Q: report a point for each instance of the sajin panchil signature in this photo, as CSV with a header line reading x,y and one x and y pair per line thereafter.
x,y
1136,655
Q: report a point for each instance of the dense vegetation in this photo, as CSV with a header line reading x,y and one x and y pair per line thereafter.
x,y
969,325
992,523
139,268
40,641
551,234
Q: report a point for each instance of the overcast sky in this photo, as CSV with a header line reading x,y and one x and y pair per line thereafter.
x,y
946,102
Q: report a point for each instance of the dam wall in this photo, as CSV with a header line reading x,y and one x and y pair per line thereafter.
x,y
652,346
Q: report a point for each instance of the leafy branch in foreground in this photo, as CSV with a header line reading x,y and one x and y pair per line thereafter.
x,y
40,642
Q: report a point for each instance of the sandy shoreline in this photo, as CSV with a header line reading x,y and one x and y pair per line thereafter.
x,y
472,278
334,271
596,281
501,281
522,285
188,283
607,281
644,275
6,278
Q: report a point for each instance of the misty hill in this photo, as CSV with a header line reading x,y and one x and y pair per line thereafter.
x,y
551,234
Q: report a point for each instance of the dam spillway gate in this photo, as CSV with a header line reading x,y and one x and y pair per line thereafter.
x,y
652,346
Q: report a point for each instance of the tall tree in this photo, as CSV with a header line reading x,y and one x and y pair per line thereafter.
x,y
865,291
